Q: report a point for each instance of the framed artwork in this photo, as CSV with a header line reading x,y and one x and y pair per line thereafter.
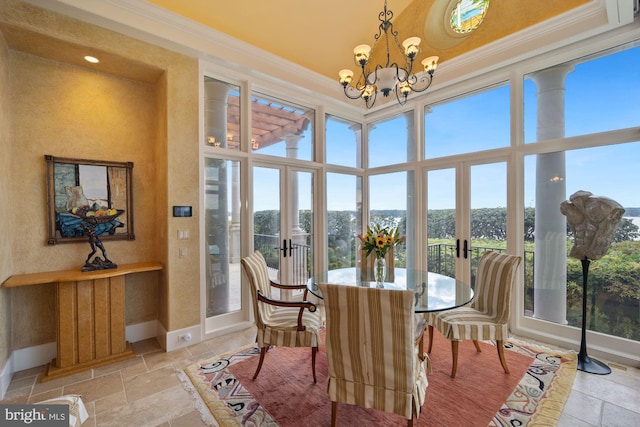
x,y
84,192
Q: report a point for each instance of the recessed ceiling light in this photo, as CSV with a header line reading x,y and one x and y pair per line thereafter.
x,y
91,59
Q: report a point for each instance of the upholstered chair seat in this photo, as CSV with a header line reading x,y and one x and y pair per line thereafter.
x,y
487,317
280,323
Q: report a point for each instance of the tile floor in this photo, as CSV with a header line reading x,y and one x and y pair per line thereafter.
x,y
145,391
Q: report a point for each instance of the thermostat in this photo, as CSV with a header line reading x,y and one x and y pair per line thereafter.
x,y
181,211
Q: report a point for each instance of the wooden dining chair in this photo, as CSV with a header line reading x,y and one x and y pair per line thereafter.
x,y
487,317
280,323
374,350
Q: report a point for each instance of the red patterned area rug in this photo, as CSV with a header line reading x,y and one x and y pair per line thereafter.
x,y
481,394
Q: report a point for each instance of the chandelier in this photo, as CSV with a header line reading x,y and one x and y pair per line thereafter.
x,y
390,77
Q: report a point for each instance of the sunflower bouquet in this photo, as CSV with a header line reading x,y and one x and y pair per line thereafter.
x,y
379,239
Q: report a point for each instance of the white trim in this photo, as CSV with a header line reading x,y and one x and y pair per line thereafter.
x,y
608,347
30,357
5,378
141,331
228,329
150,23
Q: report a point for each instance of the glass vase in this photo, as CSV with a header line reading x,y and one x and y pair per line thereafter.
x,y
380,271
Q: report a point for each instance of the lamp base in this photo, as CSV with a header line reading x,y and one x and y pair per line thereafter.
x,y
592,366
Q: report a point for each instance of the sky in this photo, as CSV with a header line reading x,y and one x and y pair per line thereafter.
x,y
601,94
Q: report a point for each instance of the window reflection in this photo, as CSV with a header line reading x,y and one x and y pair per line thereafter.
x,y
281,128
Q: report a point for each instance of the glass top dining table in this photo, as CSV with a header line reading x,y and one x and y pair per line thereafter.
x,y
433,291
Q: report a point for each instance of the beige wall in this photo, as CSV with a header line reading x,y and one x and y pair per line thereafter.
x,y
6,258
72,111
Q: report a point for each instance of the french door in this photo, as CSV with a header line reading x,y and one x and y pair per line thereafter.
x,y
466,215
283,218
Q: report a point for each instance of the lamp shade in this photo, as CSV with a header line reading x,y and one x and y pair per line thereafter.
x,y
361,54
411,46
430,64
346,76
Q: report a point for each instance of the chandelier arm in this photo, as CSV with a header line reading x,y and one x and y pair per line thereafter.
x,y
369,102
351,92
402,98
409,65
425,79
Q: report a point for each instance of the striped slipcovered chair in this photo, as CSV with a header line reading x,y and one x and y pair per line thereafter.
x,y
374,350
487,317
280,323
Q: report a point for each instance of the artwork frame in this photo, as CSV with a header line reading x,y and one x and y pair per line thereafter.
x,y
79,187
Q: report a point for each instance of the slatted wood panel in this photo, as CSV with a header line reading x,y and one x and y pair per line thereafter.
x,y
90,316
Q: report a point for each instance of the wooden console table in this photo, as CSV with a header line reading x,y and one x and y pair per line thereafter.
x,y
90,315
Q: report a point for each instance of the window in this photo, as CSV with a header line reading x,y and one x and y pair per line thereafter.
x,y
222,226
281,128
475,122
344,213
553,281
389,205
600,94
467,15
391,141
343,142
221,114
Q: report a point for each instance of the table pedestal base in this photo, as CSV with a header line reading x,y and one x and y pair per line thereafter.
x,y
53,371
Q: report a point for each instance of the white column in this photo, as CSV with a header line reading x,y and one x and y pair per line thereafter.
x,y
357,131
550,271
291,142
234,252
410,231
215,111
356,128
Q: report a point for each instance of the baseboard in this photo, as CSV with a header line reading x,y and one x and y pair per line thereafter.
x,y
25,358
30,357
141,331
212,333
5,378
38,355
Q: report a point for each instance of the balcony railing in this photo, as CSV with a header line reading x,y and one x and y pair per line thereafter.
x,y
441,259
269,246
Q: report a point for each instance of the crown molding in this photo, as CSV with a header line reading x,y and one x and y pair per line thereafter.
x,y
147,22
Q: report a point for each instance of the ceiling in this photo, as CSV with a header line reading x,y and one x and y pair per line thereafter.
x,y
320,35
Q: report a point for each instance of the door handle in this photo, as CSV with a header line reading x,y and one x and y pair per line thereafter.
x,y
284,248
465,250
457,248
290,248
